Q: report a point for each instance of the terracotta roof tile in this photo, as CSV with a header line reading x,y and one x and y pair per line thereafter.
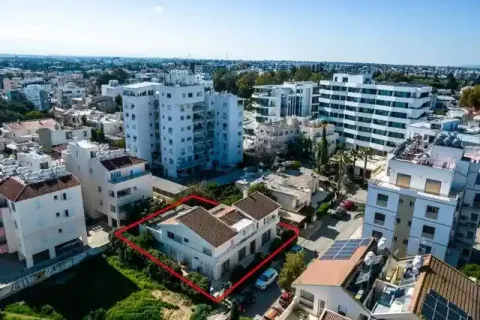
x,y
330,315
121,162
449,283
257,205
16,190
232,217
31,125
207,226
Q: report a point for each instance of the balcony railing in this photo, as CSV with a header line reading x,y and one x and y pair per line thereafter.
x,y
198,129
193,163
129,177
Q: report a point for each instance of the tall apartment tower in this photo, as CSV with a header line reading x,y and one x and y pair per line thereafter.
x,y
172,125
227,111
427,199
369,114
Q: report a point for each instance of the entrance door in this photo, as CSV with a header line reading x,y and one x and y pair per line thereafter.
x,y
225,266
252,247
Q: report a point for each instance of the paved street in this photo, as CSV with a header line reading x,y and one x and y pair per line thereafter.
x,y
264,300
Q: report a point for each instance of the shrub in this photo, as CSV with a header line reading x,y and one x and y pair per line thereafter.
x,y
139,305
201,312
295,165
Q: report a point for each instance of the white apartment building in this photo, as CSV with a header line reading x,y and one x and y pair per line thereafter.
x,y
227,110
286,130
213,242
110,179
34,160
368,114
58,222
427,199
468,134
272,102
65,94
37,95
359,279
112,89
49,138
172,126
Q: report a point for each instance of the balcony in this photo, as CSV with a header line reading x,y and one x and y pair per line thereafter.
x,y
198,119
199,139
129,177
198,129
193,163
198,108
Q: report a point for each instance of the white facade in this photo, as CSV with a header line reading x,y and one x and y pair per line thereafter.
x,y
57,224
112,89
170,125
49,138
37,95
34,160
227,112
272,102
371,115
419,203
110,179
65,94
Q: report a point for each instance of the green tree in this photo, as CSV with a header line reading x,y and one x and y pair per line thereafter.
x,y
366,154
316,77
245,84
452,83
234,314
84,120
265,79
98,314
262,188
472,270
280,77
291,270
118,100
354,155
470,97
343,160
34,115
302,74
201,312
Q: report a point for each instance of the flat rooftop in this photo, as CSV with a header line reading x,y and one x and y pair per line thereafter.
x,y
140,85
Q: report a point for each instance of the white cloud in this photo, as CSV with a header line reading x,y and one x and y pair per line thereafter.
x,y
158,8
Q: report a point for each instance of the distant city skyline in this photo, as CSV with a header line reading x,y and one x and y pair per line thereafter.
x,y
427,32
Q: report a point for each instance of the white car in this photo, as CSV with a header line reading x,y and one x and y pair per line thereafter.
x,y
266,278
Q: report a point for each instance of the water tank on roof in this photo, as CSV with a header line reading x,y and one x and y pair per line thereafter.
x,y
369,258
382,243
417,262
438,141
447,141
457,143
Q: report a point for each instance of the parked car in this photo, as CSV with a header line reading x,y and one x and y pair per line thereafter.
x,y
348,205
272,313
266,278
285,299
246,298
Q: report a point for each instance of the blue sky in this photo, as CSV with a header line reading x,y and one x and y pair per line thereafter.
x,y
436,32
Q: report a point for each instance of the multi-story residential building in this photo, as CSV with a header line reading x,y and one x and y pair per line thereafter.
x,y
37,95
12,84
469,134
112,89
227,110
359,279
427,199
368,114
55,197
286,130
272,102
49,138
173,125
66,93
34,160
111,179
213,242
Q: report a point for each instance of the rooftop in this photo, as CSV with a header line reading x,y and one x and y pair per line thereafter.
x,y
121,162
31,125
141,85
257,205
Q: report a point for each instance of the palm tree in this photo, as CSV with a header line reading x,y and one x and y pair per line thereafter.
x,y
343,160
324,125
319,155
354,155
365,154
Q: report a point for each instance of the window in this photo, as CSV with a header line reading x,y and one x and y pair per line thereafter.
x,y
405,242
376,234
99,189
242,253
307,299
101,202
403,180
432,212
60,231
44,165
15,223
169,95
476,201
207,251
398,220
124,192
400,201
55,198
470,235
111,193
190,95
428,232
170,235
395,239
68,135
112,208
342,310
412,203
66,213
58,214
266,237
477,180
474,217
379,218
64,196
409,223
382,200
185,240
433,186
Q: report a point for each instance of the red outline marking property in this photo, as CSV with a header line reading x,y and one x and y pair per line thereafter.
x,y
132,245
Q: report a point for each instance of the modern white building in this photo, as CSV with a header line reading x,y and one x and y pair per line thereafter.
x,y
42,214
173,125
272,102
369,114
65,94
111,179
37,95
112,89
213,242
469,133
427,199
359,280
49,138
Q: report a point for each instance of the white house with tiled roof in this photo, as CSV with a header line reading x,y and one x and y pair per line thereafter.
x,y
213,242
360,279
42,214
21,131
110,179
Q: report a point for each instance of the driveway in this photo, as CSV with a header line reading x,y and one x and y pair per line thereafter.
x,y
264,300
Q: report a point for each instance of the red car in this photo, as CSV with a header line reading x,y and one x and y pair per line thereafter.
x,y
285,299
348,205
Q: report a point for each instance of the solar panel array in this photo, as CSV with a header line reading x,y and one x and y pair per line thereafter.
x,y
343,249
436,307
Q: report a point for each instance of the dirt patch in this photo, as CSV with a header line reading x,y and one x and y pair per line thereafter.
x,y
184,305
